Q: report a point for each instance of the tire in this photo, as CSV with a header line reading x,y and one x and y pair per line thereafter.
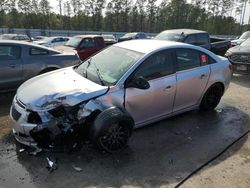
x,y
111,130
211,98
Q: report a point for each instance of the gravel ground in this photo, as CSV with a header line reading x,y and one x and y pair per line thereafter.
x,y
158,155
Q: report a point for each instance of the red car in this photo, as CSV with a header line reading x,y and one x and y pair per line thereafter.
x,y
85,45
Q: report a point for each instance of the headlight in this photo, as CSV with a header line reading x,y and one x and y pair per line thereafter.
x,y
228,53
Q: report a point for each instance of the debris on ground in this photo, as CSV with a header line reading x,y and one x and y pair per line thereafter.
x,y
51,164
76,168
35,151
21,150
219,110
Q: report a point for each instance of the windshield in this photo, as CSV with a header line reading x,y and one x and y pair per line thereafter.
x,y
109,65
73,42
246,42
129,35
169,36
245,35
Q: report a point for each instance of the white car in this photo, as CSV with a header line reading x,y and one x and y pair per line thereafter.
x,y
125,86
52,41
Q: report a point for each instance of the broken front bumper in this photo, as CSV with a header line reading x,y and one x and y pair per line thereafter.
x,y
21,129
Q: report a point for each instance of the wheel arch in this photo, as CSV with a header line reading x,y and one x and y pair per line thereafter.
x,y
48,69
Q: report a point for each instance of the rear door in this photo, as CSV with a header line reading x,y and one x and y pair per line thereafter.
x,y
10,66
192,75
148,104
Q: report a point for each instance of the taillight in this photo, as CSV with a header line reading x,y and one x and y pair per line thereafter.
x,y
230,66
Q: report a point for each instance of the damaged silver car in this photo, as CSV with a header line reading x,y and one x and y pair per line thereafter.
x,y
125,86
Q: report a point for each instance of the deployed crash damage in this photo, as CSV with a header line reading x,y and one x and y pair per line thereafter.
x,y
103,99
55,118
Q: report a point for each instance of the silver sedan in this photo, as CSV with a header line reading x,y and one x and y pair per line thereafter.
x,y
20,61
125,86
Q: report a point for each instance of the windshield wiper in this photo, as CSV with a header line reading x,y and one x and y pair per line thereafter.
x,y
99,74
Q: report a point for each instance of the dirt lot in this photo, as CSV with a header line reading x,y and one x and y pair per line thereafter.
x,y
159,155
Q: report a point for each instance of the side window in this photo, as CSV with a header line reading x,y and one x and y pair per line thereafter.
x,y
88,43
202,39
10,53
187,59
191,39
99,41
38,51
157,65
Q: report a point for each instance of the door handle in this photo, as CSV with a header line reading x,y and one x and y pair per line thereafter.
x,y
168,87
12,65
202,76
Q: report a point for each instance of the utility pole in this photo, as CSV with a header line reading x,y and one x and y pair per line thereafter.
x,y
60,7
243,15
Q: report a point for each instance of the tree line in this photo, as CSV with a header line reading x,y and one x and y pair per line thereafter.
x,y
214,16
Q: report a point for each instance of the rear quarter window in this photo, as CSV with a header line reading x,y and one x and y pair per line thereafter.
x,y
38,51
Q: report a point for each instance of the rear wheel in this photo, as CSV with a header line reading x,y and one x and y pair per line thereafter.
x,y
211,98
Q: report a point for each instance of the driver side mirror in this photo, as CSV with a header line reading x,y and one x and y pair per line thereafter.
x,y
140,83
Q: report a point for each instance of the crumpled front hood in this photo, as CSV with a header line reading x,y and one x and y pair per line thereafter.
x,y
240,49
61,87
237,41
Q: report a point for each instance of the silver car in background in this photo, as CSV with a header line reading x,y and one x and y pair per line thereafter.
x,y
125,86
20,61
52,41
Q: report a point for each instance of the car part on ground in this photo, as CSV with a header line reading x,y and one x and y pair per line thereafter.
x,y
125,86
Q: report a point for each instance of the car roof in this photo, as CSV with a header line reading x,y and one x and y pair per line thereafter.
x,y
149,45
185,31
88,36
13,42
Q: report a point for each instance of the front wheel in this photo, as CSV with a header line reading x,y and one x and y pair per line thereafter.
x,y
111,130
211,98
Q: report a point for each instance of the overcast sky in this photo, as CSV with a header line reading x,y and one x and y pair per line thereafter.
x,y
54,4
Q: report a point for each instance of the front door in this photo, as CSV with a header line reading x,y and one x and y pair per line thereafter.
x,y
157,101
192,74
10,66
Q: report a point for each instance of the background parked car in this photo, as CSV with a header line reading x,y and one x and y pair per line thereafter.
x,y
20,61
84,45
132,36
21,37
239,56
52,41
242,38
40,38
109,39
196,37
